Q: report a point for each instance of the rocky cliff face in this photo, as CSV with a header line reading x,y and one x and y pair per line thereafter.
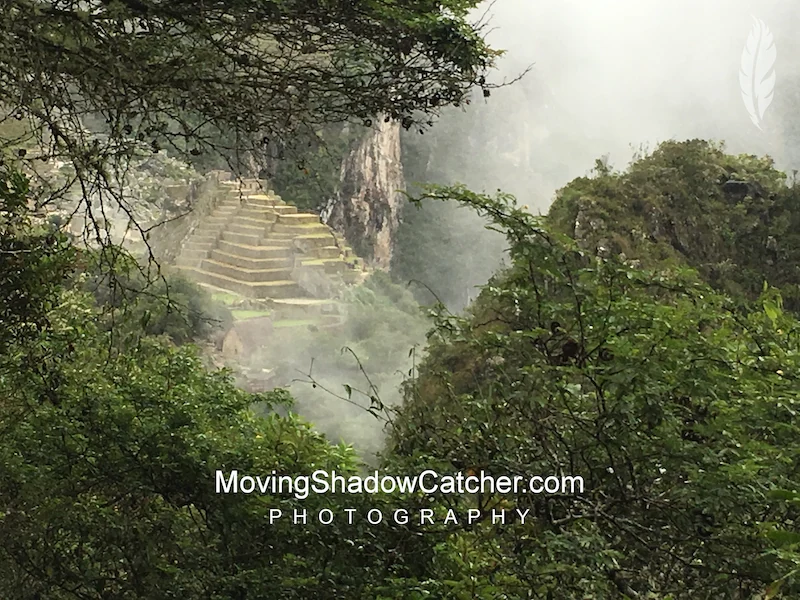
x,y
366,207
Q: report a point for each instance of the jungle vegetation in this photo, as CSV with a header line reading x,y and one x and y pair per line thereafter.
x,y
614,345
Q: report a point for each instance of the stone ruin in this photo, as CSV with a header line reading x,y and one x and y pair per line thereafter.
x,y
252,243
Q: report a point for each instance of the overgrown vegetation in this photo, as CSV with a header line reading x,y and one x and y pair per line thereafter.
x,y
676,409
734,218
675,406
134,303
346,376
108,455
309,178
639,337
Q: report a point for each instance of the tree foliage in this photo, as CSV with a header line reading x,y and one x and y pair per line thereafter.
x,y
676,407
108,454
734,218
135,304
678,410
94,82
310,177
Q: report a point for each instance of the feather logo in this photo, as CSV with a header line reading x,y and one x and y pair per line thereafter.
x,y
757,73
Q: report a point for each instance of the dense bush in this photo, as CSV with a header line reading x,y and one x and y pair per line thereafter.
x,y
137,302
731,217
677,410
108,454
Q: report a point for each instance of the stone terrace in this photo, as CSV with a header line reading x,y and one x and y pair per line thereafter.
x,y
255,245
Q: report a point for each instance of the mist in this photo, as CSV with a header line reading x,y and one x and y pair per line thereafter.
x,y
612,78
606,80
603,81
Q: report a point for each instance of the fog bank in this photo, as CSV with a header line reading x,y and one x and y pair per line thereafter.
x,y
611,77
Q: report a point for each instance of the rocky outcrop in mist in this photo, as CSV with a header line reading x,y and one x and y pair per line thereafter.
x,y
366,207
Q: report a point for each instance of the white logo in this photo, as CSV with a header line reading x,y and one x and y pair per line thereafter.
x,y
757,73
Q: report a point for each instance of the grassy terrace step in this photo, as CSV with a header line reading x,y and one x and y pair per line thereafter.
x,y
299,219
252,228
207,229
265,200
280,209
251,185
327,252
243,315
301,228
234,198
303,308
329,265
202,237
287,323
195,254
309,242
228,205
204,246
251,275
268,208
268,289
248,251
261,224
210,226
277,242
269,196
268,216
260,198
307,303
225,296
279,236
216,220
259,216
203,234
250,263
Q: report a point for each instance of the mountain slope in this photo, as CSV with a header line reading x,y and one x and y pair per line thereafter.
x,y
733,218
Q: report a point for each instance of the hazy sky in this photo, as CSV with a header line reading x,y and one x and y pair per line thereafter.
x,y
609,75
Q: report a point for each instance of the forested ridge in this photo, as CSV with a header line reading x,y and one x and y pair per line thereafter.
x,y
642,335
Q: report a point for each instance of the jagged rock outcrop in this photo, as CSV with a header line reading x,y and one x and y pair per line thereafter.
x,y
366,208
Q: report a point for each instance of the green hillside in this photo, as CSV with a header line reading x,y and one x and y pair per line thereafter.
x,y
736,219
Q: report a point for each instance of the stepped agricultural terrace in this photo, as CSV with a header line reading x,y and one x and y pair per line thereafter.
x,y
254,244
